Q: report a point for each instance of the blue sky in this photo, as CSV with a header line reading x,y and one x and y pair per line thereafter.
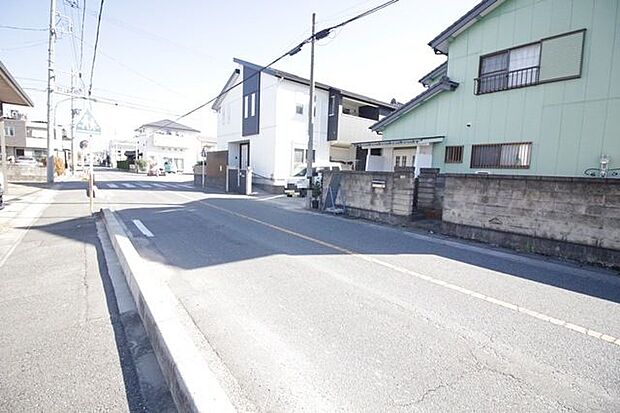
x,y
169,56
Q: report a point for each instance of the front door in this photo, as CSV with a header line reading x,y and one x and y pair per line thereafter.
x,y
244,155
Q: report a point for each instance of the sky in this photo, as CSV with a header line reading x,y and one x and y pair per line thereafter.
x,y
158,59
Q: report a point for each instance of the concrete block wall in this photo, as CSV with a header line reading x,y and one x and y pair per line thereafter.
x,y
356,193
430,192
26,173
580,211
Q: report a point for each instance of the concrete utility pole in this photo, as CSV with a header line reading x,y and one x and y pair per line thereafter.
x,y
51,84
3,150
73,157
311,120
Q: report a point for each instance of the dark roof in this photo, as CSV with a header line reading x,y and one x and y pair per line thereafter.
x,y
303,81
441,86
439,71
169,124
440,42
10,91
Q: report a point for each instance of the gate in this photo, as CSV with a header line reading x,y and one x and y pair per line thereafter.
x,y
239,181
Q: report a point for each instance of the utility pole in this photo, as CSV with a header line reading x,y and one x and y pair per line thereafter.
x,y
51,84
3,152
309,156
72,122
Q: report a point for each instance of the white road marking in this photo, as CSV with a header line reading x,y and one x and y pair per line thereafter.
x,y
513,307
271,197
144,185
158,185
129,186
143,229
186,186
113,186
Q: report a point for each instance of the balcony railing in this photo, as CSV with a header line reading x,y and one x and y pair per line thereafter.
x,y
495,82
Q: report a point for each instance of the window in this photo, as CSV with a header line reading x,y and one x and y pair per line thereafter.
x,y
253,106
298,156
510,69
245,107
400,161
454,154
551,59
299,109
9,131
313,155
376,152
503,155
19,152
332,105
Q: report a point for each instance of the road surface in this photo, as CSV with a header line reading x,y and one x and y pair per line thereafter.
x,y
310,312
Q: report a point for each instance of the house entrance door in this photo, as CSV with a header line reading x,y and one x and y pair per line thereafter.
x,y
244,155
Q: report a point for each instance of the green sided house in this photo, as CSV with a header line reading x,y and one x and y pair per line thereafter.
x,y
529,87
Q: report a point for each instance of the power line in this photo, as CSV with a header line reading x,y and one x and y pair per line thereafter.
x,y
30,29
318,36
92,68
82,37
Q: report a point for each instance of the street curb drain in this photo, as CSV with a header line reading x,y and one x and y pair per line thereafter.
x,y
193,385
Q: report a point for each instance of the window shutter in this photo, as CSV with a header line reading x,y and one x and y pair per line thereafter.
x,y
561,56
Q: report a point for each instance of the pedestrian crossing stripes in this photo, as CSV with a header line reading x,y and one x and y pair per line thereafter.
x,y
144,185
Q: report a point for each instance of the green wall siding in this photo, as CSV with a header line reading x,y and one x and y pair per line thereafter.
x,y
571,123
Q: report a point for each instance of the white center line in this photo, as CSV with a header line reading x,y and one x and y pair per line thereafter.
x,y
454,287
270,197
113,186
143,229
128,186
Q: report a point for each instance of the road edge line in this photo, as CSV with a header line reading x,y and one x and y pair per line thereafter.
x,y
193,385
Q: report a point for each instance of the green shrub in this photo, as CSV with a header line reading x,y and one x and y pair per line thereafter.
x,y
142,164
122,165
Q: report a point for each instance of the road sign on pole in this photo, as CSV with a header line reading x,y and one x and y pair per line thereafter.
x,y
88,124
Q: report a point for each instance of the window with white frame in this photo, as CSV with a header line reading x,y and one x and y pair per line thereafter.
x,y
245,106
253,105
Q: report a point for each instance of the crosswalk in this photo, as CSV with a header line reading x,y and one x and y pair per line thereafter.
x,y
144,185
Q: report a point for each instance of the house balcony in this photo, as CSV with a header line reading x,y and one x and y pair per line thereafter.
x,y
355,129
505,80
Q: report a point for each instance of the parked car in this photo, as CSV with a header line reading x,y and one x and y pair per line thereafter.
x,y
170,167
298,183
26,160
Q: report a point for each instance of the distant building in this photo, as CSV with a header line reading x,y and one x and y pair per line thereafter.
x,y
169,141
118,149
29,138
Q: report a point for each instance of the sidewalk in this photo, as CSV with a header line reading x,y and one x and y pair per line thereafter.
x,y
62,346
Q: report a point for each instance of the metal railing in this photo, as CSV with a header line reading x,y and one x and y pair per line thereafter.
x,y
495,82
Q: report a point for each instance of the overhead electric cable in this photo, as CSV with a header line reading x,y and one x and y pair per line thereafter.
x,y
92,67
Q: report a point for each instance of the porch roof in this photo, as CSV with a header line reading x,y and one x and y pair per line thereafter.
x,y
10,91
400,142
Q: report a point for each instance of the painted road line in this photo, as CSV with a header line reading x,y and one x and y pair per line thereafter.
x,y
158,185
144,185
271,197
186,186
143,229
129,185
462,290
113,186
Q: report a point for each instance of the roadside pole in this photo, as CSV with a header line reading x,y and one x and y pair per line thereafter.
x,y
51,84
3,150
309,156
92,175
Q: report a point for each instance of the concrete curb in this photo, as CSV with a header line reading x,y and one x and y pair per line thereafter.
x,y
193,385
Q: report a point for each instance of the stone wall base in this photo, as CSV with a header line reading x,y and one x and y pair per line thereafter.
x,y
384,217
578,252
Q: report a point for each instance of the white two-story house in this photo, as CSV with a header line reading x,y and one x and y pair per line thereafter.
x,y
263,123
169,141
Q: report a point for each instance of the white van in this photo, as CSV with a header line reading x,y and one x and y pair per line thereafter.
x,y
298,183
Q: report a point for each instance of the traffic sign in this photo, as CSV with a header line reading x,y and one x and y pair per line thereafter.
x,y
88,124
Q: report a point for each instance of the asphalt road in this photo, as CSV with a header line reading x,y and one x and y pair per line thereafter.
x,y
310,312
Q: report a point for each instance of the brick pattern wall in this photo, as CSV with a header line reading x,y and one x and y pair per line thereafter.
x,y
577,210
356,193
